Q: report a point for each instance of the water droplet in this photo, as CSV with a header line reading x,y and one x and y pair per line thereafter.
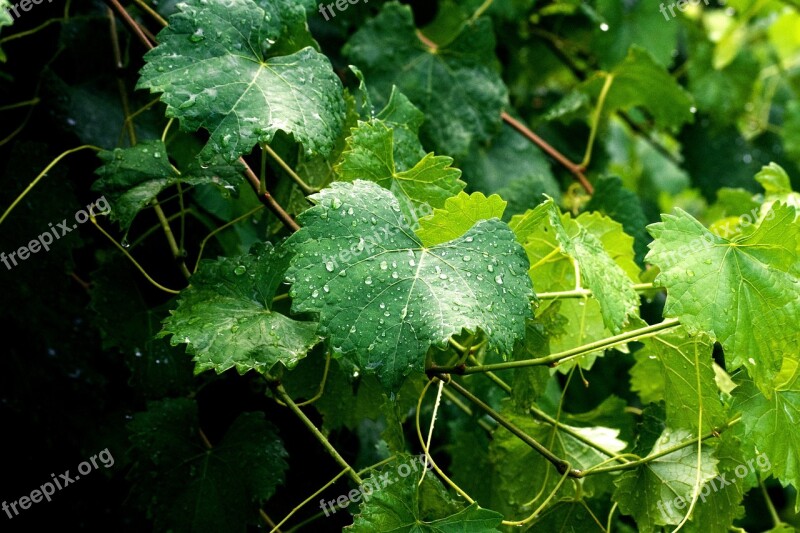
x,y
466,258
411,262
690,273
498,279
329,266
468,239
442,276
234,328
491,268
239,270
395,275
384,265
326,288
368,281
315,294
336,203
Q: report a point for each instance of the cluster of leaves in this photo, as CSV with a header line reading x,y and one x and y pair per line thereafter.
x,y
600,365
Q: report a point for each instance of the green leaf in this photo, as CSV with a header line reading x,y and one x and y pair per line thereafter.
x,y
187,487
131,178
777,186
384,299
458,80
689,389
405,120
658,492
226,320
769,426
244,70
641,82
157,369
581,239
459,214
613,200
370,155
725,289
568,516
401,506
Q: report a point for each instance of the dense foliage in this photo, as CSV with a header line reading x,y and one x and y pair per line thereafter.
x,y
429,266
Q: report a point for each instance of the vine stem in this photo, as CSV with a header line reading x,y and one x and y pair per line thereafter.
x,y
150,11
221,228
558,358
480,11
32,102
576,170
561,465
292,174
130,257
131,23
587,157
282,394
42,174
773,513
580,293
173,245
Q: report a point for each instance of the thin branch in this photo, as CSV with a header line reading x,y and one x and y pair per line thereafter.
x,y
267,198
134,26
292,174
177,253
280,392
581,293
558,358
576,170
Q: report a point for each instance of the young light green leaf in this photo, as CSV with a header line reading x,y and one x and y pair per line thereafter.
x,y
384,298
132,177
641,82
658,492
777,186
244,70
458,215
370,155
457,80
186,486
225,316
397,504
689,388
742,292
579,239
5,20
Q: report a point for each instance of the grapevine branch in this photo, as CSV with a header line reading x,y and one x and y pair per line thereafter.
x,y
561,357
266,197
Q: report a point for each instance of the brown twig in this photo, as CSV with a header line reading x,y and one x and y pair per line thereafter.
x,y
576,170
132,23
268,199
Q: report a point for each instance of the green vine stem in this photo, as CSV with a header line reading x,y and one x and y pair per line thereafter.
x,y
292,174
587,157
281,393
581,293
561,357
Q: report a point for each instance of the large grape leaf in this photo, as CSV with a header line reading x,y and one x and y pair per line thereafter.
x,y
385,299
658,492
640,81
684,366
770,424
225,316
458,215
742,292
400,505
131,178
187,487
456,80
370,155
244,70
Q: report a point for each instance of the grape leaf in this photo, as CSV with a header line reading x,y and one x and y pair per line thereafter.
x,y
370,155
400,505
225,316
742,292
244,70
640,81
618,203
684,364
769,425
132,177
405,120
457,80
609,282
568,516
188,487
658,492
458,215
402,297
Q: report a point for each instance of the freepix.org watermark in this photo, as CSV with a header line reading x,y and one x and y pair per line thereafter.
x,y
680,4
717,484
377,482
25,6
43,241
47,490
